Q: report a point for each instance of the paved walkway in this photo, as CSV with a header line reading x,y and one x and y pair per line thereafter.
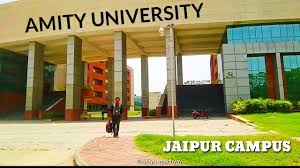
x,y
108,151
40,138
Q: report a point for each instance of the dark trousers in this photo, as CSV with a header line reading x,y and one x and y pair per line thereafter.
x,y
116,125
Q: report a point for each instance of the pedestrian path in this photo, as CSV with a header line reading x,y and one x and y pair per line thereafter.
x,y
108,151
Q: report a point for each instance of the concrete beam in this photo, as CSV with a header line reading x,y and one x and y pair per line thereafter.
x,y
100,51
135,45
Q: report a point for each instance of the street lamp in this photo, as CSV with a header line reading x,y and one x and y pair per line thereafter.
x,y
162,34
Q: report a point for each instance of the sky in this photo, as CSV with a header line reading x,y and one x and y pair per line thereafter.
x,y
194,68
5,1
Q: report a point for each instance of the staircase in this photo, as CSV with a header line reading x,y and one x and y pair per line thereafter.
x,y
51,99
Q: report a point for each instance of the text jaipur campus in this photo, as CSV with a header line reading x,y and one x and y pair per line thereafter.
x,y
230,146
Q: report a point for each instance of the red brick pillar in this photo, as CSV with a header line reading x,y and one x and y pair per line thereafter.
x,y
269,58
214,68
158,112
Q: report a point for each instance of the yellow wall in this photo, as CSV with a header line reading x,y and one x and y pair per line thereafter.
x,y
60,77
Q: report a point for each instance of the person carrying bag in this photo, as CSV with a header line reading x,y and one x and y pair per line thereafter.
x,y
116,113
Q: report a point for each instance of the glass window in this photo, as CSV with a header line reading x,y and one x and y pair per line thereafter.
x,y
292,76
275,30
283,31
245,33
287,63
298,60
264,33
237,34
98,70
297,38
293,60
276,39
261,64
252,32
296,30
97,82
257,77
290,30
229,34
98,94
266,30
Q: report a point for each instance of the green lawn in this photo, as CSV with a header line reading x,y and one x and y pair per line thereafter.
x,y
134,113
154,144
284,123
99,114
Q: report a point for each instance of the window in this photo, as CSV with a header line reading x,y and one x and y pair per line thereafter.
x,y
98,94
263,33
97,82
98,70
257,76
292,76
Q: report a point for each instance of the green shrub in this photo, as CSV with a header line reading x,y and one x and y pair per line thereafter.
x,y
239,107
283,106
137,108
260,106
270,104
153,112
256,106
54,115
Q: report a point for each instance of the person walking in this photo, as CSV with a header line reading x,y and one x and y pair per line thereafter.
x,y
116,113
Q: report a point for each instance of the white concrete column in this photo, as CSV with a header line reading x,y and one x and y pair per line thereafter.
x,y
35,80
145,86
179,70
171,70
120,70
278,77
75,79
110,81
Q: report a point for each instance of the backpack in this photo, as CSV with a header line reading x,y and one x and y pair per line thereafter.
x,y
109,127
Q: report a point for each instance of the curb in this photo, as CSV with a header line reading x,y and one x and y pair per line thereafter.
x,y
78,161
240,119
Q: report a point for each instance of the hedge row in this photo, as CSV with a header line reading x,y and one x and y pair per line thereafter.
x,y
54,115
244,106
153,112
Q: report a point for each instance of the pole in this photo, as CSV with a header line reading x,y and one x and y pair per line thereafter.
x,y
172,84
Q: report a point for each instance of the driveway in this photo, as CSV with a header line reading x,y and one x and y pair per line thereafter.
x,y
53,143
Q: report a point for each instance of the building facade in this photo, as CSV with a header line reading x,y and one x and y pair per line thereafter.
x,y
257,40
262,60
97,80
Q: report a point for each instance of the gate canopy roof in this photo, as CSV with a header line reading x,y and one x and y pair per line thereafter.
x,y
199,28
